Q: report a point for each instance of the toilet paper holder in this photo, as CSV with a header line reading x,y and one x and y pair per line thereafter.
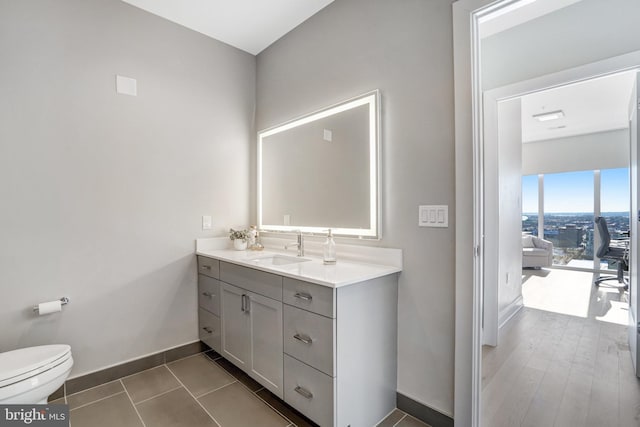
x,y
63,301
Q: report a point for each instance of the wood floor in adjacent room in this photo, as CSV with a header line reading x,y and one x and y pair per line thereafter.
x,y
564,359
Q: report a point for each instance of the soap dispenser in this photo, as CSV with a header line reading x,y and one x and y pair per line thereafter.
x,y
329,250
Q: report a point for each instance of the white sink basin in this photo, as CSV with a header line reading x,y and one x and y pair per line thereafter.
x,y
278,260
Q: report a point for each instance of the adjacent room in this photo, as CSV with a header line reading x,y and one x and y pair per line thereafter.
x,y
558,200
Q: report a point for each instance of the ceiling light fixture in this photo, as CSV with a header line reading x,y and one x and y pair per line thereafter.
x,y
552,115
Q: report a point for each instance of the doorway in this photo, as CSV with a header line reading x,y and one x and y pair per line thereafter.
x,y
547,365
469,150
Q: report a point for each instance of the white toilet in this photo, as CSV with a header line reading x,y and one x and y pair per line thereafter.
x,y
30,375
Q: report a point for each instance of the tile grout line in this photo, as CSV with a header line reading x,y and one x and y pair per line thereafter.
x,y
255,393
194,398
185,358
97,400
65,395
387,416
136,373
400,420
94,387
217,358
216,389
158,395
133,404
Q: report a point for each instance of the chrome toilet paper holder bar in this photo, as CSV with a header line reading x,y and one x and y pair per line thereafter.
x,y
63,301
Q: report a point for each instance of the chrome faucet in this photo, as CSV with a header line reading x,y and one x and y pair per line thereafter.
x,y
299,244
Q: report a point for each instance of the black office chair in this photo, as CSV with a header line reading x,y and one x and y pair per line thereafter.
x,y
619,254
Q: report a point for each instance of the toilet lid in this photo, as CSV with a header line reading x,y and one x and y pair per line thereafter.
x,y
23,363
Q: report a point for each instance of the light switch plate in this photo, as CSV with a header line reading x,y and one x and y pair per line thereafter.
x,y
207,222
433,216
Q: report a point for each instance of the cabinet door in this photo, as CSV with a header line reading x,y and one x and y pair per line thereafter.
x,y
266,342
236,325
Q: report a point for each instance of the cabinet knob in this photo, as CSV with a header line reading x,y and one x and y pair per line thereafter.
x,y
206,267
303,296
303,338
208,294
208,330
304,392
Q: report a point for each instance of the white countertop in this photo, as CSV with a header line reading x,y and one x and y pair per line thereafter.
x,y
343,273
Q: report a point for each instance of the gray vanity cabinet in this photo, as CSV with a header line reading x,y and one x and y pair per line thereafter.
x,y
328,352
209,302
252,324
340,350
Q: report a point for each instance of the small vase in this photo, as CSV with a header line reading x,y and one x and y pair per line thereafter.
x,y
239,244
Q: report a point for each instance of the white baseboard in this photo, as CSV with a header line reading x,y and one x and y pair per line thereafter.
x,y
512,309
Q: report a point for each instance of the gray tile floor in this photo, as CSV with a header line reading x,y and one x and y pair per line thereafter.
x,y
200,390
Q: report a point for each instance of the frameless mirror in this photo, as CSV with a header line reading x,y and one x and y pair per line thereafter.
x,y
321,171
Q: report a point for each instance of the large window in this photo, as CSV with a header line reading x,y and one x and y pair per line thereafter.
x,y
530,204
566,214
614,200
568,217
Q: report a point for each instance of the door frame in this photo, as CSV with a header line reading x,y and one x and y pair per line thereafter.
x,y
469,189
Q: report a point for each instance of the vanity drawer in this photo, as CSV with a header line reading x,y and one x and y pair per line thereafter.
x,y
209,294
267,284
309,391
309,296
209,267
209,329
309,337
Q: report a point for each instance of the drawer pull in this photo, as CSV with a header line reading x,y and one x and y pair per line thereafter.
x,y
303,296
208,294
245,303
304,393
208,330
206,267
303,338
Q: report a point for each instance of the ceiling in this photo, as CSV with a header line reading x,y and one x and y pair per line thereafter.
x,y
519,13
250,25
596,105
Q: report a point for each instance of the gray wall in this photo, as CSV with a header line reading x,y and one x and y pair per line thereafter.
x,y
602,150
404,48
509,208
503,219
585,32
102,194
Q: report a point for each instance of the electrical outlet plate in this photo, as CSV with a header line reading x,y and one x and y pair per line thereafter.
x,y
126,86
433,216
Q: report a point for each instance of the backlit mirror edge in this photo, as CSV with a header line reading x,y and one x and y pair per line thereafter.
x,y
371,98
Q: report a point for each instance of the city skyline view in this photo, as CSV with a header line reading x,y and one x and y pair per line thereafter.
x,y
572,192
568,211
